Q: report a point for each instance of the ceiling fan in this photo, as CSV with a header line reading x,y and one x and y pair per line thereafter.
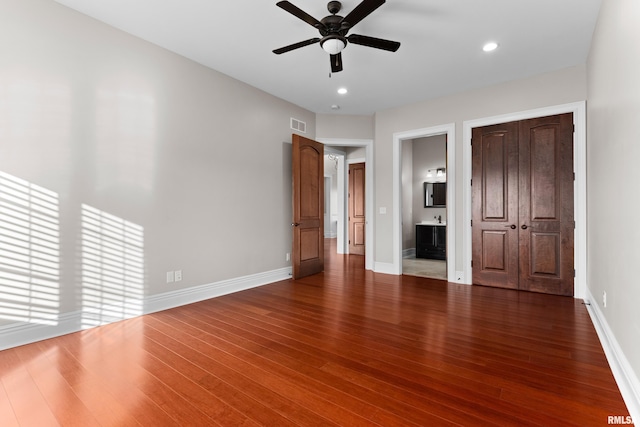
x,y
334,29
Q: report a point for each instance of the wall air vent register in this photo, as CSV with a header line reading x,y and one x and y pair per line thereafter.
x,y
298,125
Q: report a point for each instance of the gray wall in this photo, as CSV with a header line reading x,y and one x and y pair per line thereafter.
x,y
408,233
198,161
613,152
344,126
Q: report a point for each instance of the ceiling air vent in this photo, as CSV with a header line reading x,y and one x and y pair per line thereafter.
x,y
298,125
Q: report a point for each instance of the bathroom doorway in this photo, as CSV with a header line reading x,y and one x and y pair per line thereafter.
x,y
424,209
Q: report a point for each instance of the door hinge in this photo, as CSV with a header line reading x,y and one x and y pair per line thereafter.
x,y
472,223
574,272
471,182
574,176
471,263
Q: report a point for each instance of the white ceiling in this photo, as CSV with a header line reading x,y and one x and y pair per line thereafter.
x,y
441,51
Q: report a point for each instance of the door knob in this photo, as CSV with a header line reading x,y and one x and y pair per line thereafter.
x,y
295,224
524,226
512,226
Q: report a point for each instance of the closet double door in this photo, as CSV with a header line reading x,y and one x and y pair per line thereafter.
x,y
522,198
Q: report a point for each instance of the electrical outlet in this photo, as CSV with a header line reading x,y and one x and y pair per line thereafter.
x,y
170,277
604,299
178,275
287,257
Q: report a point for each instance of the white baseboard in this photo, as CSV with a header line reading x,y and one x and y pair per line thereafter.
x,y
199,293
385,268
409,253
623,372
21,333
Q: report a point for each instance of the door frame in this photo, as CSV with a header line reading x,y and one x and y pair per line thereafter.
x,y
450,131
580,184
343,168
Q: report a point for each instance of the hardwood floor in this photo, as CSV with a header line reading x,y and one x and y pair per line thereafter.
x,y
344,347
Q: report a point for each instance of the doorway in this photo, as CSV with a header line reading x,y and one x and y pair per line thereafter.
x,y
398,215
424,209
364,154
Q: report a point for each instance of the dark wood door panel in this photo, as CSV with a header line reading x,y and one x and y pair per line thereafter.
x,y
495,179
522,205
546,204
309,198
542,182
494,250
544,259
494,213
495,267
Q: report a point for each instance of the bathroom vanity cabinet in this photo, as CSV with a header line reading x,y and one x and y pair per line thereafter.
x,y
431,241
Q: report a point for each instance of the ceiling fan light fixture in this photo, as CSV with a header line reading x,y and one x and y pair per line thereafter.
x,y
333,45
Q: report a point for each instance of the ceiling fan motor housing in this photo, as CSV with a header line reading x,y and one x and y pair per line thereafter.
x,y
334,7
333,25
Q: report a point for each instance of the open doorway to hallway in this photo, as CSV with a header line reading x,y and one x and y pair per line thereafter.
x,y
345,198
347,152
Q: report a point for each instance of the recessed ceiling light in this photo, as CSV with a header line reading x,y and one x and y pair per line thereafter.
x,y
342,90
491,46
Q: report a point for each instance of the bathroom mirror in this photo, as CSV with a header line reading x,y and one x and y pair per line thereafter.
x,y
435,194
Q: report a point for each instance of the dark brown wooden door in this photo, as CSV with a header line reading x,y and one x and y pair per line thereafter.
x,y
495,205
308,207
357,218
523,219
546,231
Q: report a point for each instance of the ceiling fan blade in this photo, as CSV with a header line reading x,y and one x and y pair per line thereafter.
x,y
374,42
336,63
299,13
362,11
296,46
